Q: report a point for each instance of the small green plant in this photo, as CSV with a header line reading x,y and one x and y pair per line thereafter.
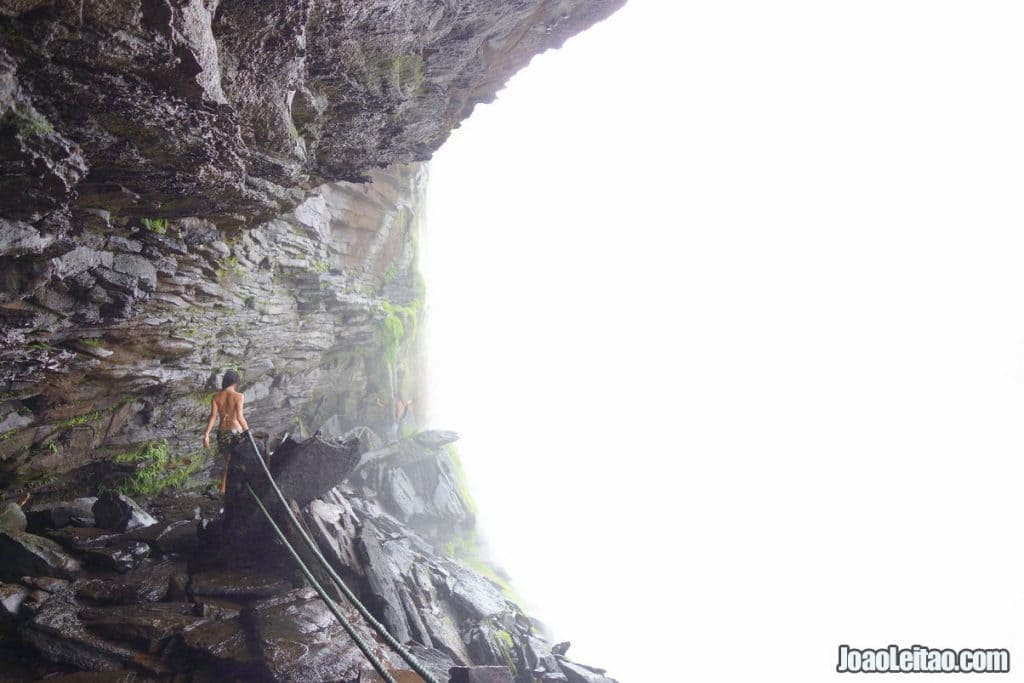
x,y
320,266
157,225
32,124
79,420
159,470
506,645
6,435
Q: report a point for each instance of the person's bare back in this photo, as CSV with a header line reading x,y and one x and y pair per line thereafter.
x,y
228,405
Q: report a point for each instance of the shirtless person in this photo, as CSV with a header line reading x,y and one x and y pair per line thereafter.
x,y
228,404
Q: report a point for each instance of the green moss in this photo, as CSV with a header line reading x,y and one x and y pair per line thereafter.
x,y
466,551
320,266
393,329
404,73
6,435
91,341
230,267
157,225
32,124
400,323
507,647
461,481
203,398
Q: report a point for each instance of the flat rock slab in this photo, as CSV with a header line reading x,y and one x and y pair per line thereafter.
x,y
238,583
435,438
147,622
120,557
479,674
301,641
60,636
579,673
31,555
224,642
148,583
217,609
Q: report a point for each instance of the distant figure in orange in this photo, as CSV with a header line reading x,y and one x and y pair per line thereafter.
x,y
401,412
227,404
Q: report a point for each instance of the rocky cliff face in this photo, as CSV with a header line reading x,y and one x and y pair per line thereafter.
x,y
191,186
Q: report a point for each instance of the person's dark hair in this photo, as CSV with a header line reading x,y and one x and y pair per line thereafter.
x,y
230,377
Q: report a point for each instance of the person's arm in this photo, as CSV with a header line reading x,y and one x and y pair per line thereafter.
x,y
241,418
209,423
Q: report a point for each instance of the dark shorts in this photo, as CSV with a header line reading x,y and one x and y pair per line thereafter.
x,y
226,441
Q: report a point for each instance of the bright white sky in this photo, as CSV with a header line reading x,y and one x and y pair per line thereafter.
x,y
727,301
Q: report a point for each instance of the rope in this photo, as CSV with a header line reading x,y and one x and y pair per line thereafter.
x,y
360,643
315,549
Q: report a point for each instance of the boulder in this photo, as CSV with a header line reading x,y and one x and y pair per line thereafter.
x,y
12,595
305,470
12,519
380,577
475,595
118,512
44,516
30,555
166,538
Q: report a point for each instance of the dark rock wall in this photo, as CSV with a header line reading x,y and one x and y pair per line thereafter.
x,y
176,198
318,308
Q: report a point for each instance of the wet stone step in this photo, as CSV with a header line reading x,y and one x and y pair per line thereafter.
x,y
148,583
238,583
145,623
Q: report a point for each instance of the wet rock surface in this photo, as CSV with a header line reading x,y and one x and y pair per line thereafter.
x,y
190,186
26,554
183,610
118,512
